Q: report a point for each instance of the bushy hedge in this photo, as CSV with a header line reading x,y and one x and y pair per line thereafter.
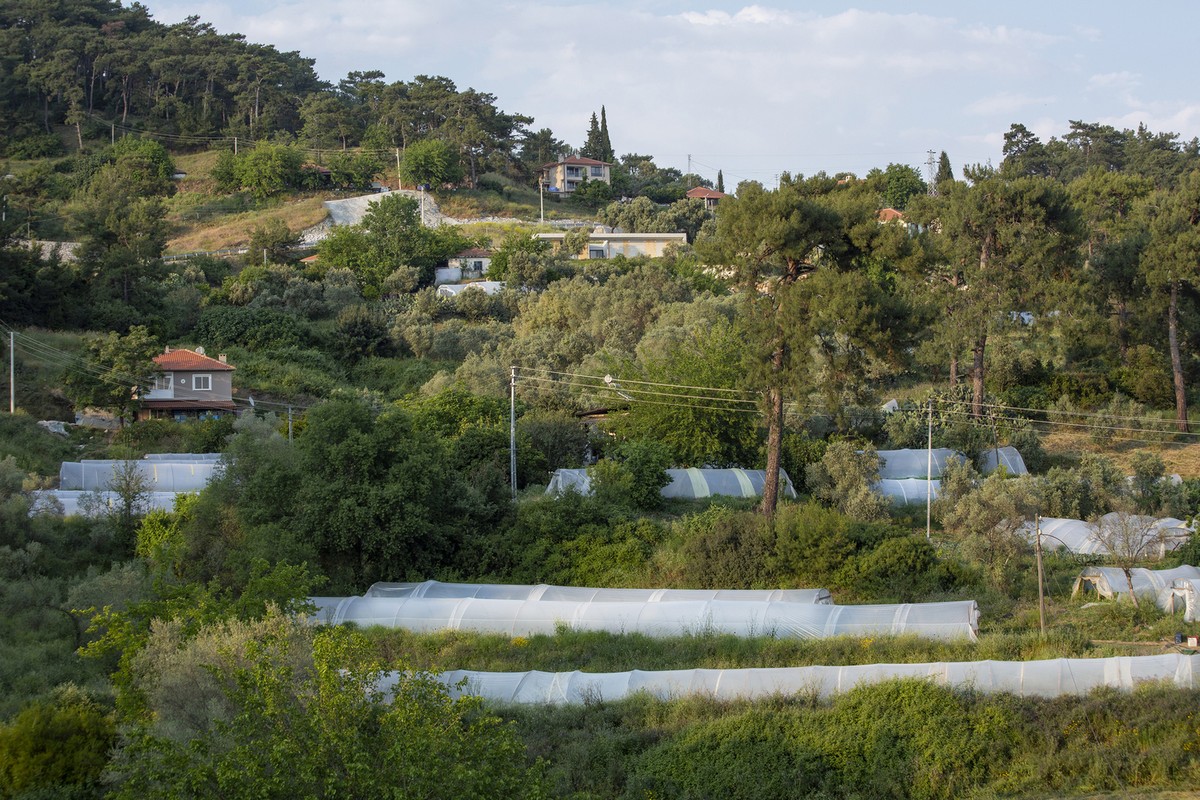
x,y
901,739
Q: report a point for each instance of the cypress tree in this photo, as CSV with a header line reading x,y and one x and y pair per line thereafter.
x,y
607,152
720,182
944,173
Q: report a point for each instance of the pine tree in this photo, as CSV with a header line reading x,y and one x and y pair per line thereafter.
x,y
607,152
720,182
593,147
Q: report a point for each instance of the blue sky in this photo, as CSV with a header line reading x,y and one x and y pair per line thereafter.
x,y
759,89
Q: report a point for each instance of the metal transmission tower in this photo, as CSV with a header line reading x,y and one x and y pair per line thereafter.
x,y
929,168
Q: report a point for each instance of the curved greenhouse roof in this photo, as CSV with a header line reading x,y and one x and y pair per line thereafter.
x,y
1050,678
588,594
909,490
687,483
1078,536
160,476
73,503
897,465
182,457
995,457
781,619
1154,584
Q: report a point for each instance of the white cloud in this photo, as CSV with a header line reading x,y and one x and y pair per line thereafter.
x,y
759,86
1114,80
1005,103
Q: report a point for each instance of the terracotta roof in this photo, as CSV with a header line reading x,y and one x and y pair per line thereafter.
x,y
704,193
474,252
188,360
578,160
889,215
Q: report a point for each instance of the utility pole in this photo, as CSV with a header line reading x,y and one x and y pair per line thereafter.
x,y
929,478
512,431
289,424
399,185
12,372
1041,581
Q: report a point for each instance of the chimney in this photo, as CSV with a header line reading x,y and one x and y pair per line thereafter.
x,y
167,349
221,358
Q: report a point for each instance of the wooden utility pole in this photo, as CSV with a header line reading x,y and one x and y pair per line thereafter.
x,y
1041,580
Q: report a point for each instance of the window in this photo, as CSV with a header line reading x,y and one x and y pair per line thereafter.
x,y
597,172
202,383
596,252
574,172
162,383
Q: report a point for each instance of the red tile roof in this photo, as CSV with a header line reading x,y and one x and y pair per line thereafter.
x,y
704,193
474,252
188,360
889,215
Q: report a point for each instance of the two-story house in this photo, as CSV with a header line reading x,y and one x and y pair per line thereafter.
x,y
190,386
566,175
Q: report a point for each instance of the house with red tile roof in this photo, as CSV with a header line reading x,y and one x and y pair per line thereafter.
x,y
566,175
190,386
710,196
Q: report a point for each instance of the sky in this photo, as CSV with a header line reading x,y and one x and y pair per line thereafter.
x,y
755,90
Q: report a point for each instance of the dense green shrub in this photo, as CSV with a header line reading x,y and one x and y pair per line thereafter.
x,y
727,549
252,328
60,743
754,754
41,145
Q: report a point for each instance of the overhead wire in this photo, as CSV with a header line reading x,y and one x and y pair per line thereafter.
x,y
718,399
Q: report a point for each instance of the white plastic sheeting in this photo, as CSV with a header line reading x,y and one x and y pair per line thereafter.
x,y
1078,536
160,476
781,619
687,483
1186,592
1152,584
182,457
993,458
1052,678
908,490
589,594
895,465
73,503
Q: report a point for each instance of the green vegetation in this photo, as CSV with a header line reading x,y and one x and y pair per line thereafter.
x,y
1047,304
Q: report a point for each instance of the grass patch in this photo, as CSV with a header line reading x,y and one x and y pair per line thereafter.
x,y
595,651
201,222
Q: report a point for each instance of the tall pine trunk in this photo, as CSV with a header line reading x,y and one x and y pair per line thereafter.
x,y
977,375
1181,411
770,496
